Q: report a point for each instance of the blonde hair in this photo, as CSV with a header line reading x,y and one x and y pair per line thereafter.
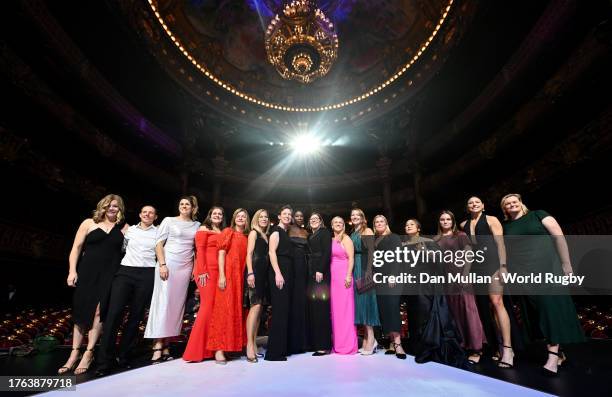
x,y
520,199
194,205
247,229
255,222
387,230
364,222
342,233
100,212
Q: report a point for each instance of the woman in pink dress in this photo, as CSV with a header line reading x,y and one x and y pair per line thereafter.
x,y
344,333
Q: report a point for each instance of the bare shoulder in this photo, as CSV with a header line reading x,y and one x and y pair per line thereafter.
x,y
462,224
87,223
203,228
492,220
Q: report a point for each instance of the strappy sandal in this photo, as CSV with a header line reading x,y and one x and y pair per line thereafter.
x,y
82,370
547,372
562,359
65,369
401,356
503,364
158,359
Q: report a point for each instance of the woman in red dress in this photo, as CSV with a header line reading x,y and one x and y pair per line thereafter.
x,y
206,275
227,330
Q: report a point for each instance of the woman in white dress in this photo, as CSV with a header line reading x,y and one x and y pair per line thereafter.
x,y
174,249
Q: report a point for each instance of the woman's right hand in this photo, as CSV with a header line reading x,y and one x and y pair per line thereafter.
x,y
251,280
72,279
202,279
280,281
222,283
163,272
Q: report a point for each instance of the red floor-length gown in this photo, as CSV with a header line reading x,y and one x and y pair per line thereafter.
x,y
207,256
227,330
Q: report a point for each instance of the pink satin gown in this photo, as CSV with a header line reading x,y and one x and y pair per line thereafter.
x,y
344,332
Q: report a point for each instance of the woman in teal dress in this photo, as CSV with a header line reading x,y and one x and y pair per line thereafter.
x,y
556,314
366,308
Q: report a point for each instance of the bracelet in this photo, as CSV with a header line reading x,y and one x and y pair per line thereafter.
x,y
503,265
250,274
162,264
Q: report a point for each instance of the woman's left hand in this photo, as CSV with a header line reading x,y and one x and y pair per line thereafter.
x,y
347,281
222,283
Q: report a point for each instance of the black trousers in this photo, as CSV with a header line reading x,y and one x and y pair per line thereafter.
x,y
281,302
298,339
132,286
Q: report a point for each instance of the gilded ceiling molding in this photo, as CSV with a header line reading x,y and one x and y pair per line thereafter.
x,y
146,24
210,74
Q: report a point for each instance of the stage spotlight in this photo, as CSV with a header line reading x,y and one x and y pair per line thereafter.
x,y
306,144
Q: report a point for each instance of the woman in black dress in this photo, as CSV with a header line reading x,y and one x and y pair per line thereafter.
x,y
298,341
256,291
280,279
433,334
486,234
388,295
318,286
95,255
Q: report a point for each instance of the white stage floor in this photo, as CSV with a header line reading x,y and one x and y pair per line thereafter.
x,y
301,375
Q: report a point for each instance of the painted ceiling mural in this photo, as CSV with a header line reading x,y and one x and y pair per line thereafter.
x,y
376,38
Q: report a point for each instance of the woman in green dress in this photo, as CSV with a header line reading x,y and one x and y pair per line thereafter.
x,y
366,307
557,320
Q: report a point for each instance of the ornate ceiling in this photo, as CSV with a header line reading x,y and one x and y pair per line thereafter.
x,y
215,48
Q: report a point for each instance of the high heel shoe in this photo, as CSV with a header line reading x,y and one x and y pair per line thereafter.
x,y
252,360
370,352
166,356
401,356
82,370
547,372
562,359
472,361
65,369
503,364
158,359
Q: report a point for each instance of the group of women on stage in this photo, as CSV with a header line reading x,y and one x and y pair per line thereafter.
x,y
319,283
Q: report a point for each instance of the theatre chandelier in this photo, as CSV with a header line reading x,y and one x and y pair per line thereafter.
x,y
301,42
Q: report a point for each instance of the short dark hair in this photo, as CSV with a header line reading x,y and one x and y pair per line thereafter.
x,y
149,205
285,207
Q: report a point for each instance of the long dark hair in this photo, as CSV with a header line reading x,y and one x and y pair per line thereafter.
x,y
208,221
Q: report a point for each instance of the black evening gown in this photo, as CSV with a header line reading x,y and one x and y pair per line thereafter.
x,y
388,299
260,295
483,240
96,268
298,342
433,333
278,343
319,310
